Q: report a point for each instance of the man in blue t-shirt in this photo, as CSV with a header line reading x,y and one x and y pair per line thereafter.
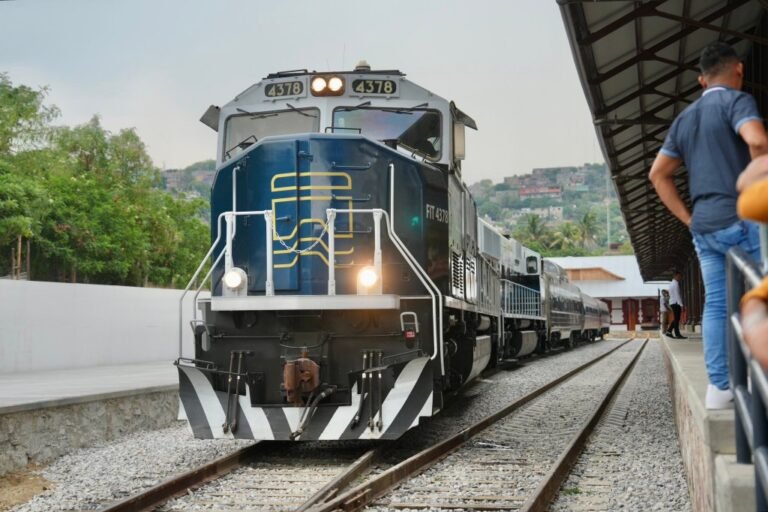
x,y
715,138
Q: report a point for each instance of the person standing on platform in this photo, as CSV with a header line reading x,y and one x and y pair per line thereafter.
x,y
715,138
676,304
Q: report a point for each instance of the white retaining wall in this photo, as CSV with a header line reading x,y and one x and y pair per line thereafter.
x,y
59,325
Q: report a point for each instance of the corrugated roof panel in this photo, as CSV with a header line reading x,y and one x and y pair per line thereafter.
x,y
638,65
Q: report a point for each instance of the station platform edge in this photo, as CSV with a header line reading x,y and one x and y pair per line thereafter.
x,y
707,443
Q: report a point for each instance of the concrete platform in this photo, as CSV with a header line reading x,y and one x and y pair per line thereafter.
x,y
715,481
46,414
52,388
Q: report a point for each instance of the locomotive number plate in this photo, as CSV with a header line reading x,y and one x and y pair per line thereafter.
x,y
284,89
374,86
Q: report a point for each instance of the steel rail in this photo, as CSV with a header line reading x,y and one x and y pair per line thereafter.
x,y
549,488
332,488
179,484
365,493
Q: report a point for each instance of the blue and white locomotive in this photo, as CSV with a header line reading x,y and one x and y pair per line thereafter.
x,y
352,284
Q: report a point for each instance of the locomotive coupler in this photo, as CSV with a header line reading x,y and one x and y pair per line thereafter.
x,y
300,377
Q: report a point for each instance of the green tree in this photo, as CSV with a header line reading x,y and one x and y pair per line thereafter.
x,y
534,226
587,227
533,232
24,119
490,209
24,129
566,237
109,222
89,201
626,248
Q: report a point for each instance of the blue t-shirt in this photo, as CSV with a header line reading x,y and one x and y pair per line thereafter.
x,y
705,136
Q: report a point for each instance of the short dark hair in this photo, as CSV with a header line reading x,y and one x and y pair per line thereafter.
x,y
715,57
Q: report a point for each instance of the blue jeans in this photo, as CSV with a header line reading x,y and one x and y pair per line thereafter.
x,y
711,249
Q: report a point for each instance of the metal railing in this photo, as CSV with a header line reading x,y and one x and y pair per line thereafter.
x,y
225,254
517,299
751,424
378,216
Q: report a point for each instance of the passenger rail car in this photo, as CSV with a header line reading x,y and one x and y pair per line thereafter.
x,y
596,321
352,284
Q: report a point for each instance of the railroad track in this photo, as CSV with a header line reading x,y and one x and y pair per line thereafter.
x,y
262,476
506,461
296,476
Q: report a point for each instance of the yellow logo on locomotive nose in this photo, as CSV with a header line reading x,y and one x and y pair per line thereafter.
x,y
288,191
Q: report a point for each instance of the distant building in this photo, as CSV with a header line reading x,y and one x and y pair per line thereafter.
x,y
550,213
616,281
535,192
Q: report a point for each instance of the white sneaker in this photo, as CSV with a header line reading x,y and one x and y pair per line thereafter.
x,y
718,398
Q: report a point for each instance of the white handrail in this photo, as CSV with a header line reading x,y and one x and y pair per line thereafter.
x,y
194,278
414,265
378,214
435,291
269,286
377,242
226,251
331,230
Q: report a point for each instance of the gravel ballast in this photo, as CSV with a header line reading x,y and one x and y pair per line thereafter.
x,y
633,461
94,477
91,478
501,466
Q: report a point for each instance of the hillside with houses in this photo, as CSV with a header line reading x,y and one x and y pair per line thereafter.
x,y
557,210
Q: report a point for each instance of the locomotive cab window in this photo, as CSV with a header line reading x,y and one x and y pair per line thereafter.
x,y
415,129
532,265
242,130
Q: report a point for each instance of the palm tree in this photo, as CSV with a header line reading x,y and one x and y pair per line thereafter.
x,y
587,227
534,226
566,238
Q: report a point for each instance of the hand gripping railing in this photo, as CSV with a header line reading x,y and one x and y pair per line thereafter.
x,y
751,424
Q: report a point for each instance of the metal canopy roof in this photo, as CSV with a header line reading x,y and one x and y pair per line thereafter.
x,y
637,62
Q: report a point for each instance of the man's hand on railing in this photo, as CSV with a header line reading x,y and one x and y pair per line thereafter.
x,y
754,322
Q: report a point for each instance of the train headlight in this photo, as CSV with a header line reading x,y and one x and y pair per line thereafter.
x,y
319,84
235,278
367,277
335,84
327,85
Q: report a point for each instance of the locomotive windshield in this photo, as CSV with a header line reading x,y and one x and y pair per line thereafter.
x,y
416,129
245,129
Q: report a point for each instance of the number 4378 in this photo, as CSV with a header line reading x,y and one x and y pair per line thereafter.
x,y
374,86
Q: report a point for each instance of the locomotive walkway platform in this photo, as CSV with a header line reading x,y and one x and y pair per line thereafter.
x,y
45,414
716,482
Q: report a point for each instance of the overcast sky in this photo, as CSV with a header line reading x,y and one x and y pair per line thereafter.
x,y
156,66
